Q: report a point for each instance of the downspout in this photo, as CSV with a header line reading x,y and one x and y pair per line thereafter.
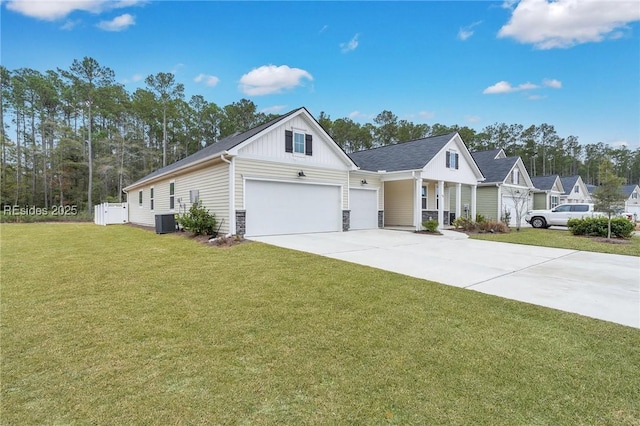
x,y
232,192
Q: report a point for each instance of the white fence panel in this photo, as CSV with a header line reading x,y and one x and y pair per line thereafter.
x,y
110,213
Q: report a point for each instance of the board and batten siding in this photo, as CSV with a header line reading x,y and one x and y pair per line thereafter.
x,y
437,168
270,146
373,182
398,203
487,202
251,168
211,182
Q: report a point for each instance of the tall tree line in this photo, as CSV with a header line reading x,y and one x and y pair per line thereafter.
x,y
76,136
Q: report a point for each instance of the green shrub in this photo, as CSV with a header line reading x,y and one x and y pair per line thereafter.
x,y
480,218
494,226
598,227
430,225
464,224
198,220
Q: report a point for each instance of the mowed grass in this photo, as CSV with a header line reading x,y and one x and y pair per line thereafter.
x,y
117,325
561,238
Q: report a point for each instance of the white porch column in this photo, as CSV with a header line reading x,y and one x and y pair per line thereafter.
x,y
417,205
440,198
458,199
473,202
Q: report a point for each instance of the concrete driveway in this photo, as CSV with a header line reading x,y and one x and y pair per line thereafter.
x,y
596,285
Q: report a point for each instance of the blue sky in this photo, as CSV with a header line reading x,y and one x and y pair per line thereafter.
x,y
574,64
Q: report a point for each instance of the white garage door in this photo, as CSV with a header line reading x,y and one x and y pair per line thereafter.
x,y
291,208
509,204
364,209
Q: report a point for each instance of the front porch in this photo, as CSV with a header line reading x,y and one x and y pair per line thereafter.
x,y
410,202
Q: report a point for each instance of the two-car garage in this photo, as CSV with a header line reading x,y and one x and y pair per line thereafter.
x,y
278,207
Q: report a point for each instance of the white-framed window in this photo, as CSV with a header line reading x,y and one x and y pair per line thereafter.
x,y
634,196
515,178
424,198
298,143
576,189
554,201
452,160
151,199
140,198
172,195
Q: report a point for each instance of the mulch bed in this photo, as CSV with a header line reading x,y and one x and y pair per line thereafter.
x,y
221,242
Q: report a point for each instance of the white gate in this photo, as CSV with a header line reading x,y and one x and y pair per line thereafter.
x,y
110,213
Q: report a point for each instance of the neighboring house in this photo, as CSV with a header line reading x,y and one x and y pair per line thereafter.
x,y
547,192
285,176
289,176
507,186
575,190
632,202
416,176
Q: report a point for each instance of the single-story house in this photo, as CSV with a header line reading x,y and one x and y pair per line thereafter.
x,y
575,190
289,176
507,186
547,192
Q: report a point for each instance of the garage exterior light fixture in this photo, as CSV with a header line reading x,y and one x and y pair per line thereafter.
x,y
364,182
301,174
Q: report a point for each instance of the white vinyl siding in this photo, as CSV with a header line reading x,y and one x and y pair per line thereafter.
x,y
249,168
212,183
398,203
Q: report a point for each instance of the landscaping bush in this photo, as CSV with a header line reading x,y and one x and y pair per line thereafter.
x,y
198,220
430,225
494,226
597,227
480,218
464,224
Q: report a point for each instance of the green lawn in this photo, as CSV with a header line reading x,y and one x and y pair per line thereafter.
x,y
560,238
118,325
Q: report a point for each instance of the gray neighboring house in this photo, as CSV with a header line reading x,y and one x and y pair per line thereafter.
x,y
632,201
507,185
416,178
547,192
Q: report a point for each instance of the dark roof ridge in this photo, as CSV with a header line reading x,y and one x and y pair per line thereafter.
x,y
407,142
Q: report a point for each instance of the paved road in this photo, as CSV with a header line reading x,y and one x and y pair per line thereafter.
x,y
596,285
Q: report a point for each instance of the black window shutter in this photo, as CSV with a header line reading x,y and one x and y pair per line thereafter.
x,y
288,141
447,159
308,145
457,161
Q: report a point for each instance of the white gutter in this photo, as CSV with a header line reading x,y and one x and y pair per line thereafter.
x,y
232,192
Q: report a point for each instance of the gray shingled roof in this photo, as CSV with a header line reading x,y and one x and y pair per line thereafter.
x,y
412,155
494,170
568,182
544,182
214,149
628,189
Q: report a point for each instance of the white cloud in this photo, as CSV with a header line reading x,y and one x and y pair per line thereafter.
x,y
351,45
208,80
275,109
426,114
118,23
556,84
52,10
269,79
565,23
506,87
70,24
472,118
466,32
323,29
